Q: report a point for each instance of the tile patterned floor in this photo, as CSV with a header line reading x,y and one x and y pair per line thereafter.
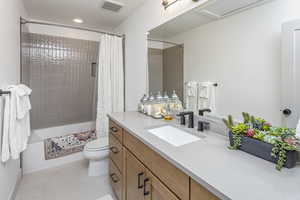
x,y
68,182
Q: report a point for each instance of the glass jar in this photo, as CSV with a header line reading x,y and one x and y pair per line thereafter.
x,y
148,106
175,105
157,107
142,102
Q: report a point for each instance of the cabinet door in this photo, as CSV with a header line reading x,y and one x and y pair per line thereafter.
x,y
200,193
135,174
155,190
116,180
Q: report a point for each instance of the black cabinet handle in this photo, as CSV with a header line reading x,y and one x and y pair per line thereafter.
x,y
114,129
115,150
146,193
114,178
139,180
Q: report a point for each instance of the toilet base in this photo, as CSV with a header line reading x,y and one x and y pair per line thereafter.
x,y
98,168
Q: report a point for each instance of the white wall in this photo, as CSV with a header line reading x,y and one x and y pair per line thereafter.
x,y
10,12
64,32
243,54
148,16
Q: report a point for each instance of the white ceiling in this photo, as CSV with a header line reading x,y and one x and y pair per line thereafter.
x,y
64,11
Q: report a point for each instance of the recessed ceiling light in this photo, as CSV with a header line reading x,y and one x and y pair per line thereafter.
x,y
78,20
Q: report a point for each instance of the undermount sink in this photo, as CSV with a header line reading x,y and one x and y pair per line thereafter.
x,y
173,135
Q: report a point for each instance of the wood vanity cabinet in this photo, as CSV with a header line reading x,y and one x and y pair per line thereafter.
x,y
200,193
116,180
139,173
156,190
116,160
135,175
116,131
142,184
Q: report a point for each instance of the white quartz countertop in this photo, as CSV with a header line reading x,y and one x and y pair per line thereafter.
x,y
228,174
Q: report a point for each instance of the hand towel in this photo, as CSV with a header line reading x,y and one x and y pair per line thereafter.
x,y
23,101
190,98
23,115
207,97
192,88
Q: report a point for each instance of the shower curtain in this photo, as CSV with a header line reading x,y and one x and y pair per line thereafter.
x,y
110,81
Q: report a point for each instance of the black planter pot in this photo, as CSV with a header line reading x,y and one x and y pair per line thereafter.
x,y
263,150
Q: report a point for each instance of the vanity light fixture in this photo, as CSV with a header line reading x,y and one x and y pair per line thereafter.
x,y
78,20
167,3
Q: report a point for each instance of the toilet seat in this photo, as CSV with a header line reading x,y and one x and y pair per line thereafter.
x,y
97,145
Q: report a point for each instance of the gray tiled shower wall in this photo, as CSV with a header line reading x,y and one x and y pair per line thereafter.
x,y
59,71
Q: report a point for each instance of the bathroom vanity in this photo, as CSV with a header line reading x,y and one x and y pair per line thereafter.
x,y
143,166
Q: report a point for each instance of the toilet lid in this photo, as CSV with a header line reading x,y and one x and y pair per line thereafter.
x,y
100,143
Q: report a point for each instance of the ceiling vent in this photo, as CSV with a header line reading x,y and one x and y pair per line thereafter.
x,y
113,6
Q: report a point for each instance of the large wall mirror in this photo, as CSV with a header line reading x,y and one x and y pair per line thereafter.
x,y
225,56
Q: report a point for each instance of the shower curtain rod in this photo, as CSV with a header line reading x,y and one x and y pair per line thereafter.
x,y
167,42
25,21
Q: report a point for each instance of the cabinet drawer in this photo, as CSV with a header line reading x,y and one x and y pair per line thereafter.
x,y
171,176
116,130
116,180
116,152
198,192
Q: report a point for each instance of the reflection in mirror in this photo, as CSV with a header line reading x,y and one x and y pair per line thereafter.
x,y
165,65
211,45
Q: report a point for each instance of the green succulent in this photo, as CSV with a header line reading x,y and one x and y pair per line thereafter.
x,y
259,135
246,117
282,139
229,122
266,127
279,151
241,128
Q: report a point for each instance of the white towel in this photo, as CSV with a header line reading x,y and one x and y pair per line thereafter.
x,y
16,122
191,88
191,95
5,152
298,129
204,91
207,96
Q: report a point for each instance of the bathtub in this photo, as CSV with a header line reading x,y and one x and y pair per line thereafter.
x,y
33,157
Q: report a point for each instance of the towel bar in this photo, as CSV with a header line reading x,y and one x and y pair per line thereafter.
x,y
4,92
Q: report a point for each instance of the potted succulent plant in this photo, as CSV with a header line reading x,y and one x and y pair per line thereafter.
x,y
260,138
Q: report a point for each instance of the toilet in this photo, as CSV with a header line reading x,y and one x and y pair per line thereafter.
x,y
97,152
